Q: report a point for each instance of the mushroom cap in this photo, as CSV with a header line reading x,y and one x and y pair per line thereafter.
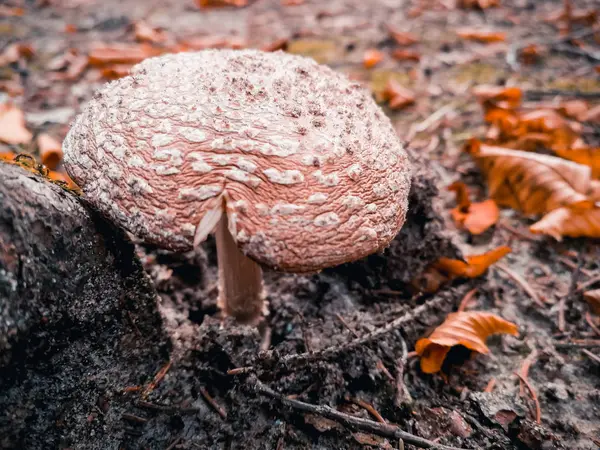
x,y
310,170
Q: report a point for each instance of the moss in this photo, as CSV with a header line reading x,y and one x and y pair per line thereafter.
x,y
321,50
477,73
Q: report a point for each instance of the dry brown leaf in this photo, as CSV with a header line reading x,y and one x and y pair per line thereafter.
x,y
572,221
50,151
69,66
14,52
12,125
104,54
146,33
574,109
593,299
475,266
406,55
530,54
469,329
402,37
372,57
531,183
11,11
221,3
484,36
500,96
563,133
7,156
369,439
587,156
321,423
474,217
398,96
478,4
116,71
204,42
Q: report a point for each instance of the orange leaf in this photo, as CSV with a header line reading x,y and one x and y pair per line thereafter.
x,y
372,57
14,52
482,35
146,33
7,156
50,151
12,87
121,54
11,11
63,177
204,42
406,55
593,299
563,134
569,221
475,266
469,329
398,96
12,126
402,37
530,54
586,156
479,217
221,3
531,183
503,97
462,195
593,115
480,4
116,71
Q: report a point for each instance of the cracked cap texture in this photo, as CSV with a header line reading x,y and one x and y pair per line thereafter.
x,y
308,167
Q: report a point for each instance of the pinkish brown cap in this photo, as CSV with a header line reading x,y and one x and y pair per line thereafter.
x,y
310,170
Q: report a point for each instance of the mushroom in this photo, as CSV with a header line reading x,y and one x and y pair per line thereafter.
x,y
290,164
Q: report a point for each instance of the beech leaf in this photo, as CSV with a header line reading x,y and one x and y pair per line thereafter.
x,y
470,329
372,57
12,126
474,217
50,151
570,221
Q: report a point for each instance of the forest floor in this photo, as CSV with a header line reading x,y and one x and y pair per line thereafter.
x,y
479,403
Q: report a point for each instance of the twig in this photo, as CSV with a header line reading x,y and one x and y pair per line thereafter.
x,y
348,327
133,418
538,411
536,94
370,409
370,426
590,321
593,357
174,443
490,386
157,379
335,349
305,333
570,50
466,300
402,395
521,282
583,286
578,343
211,401
527,363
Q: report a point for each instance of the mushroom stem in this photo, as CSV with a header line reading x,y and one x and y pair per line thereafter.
x,y
240,279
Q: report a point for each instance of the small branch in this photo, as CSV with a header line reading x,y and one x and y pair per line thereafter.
x,y
464,303
588,283
527,363
211,401
521,282
537,94
490,386
370,426
590,321
402,395
370,408
590,355
157,379
538,410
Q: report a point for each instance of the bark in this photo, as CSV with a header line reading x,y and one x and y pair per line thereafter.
x,y
78,317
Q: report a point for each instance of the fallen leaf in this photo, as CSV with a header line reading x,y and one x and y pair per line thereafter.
x,y
12,125
406,55
593,115
116,71
7,156
593,299
62,178
278,44
500,96
575,109
12,87
474,217
14,52
11,11
563,133
587,156
292,2
103,54
146,33
483,36
68,66
402,37
529,54
369,439
204,42
70,28
478,4
221,3
50,151
372,57
503,123
528,182
321,423
469,329
398,96
475,266
574,221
